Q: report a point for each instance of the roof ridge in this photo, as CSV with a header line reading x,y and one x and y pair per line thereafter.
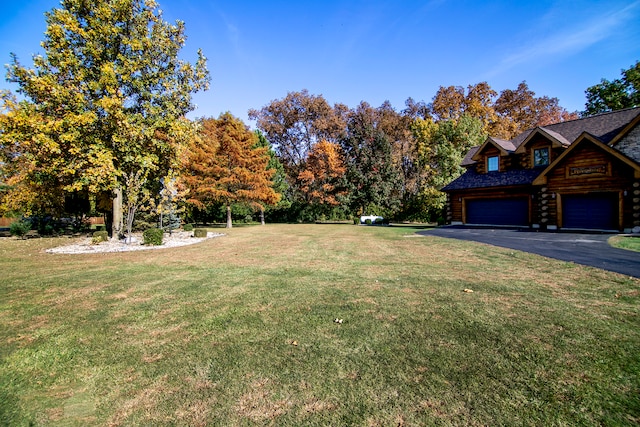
x,y
582,118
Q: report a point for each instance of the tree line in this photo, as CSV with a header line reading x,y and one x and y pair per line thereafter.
x,y
101,126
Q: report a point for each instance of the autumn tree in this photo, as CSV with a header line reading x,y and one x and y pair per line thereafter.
x,y
616,94
106,99
225,166
519,110
296,123
322,178
504,115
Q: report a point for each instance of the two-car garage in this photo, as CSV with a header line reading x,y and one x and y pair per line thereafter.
x,y
589,211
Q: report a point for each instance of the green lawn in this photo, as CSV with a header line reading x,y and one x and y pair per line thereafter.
x,y
240,330
631,243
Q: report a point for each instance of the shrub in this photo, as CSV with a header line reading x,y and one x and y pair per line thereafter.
x,y
101,227
99,236
153,236
200,232
367,221
378,221
19,228
188,227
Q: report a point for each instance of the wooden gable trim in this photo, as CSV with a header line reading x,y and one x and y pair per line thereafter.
x,y
478,156
542,178
555,142
632,124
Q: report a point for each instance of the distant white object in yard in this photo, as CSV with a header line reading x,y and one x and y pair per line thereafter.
x,y
364,218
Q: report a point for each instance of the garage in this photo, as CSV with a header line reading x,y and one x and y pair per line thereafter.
x,y
594,211
512,211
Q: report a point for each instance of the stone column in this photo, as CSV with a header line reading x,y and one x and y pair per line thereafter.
x,y
117,228
635,206
543,208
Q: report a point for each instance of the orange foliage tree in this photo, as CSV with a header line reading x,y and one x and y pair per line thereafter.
x,y
224,165
321,178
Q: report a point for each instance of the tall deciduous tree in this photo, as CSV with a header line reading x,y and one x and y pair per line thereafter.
x,y
371,173
442,146
616,94
520,109
107,99
296,123
322,179
225,166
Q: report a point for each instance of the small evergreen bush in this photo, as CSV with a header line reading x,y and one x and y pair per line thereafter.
x,y
188,227
153,236
378,221
367,221
200,232
19,228
99,236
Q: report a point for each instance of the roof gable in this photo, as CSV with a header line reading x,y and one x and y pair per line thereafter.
x,y
505,147
557,140
542,178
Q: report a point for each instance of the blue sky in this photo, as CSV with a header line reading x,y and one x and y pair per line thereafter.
x,y
373,50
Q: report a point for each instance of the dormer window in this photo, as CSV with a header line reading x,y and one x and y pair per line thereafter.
x,y
493,163
541,157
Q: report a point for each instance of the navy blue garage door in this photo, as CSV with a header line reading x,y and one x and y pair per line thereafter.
x,y
590,211
513,211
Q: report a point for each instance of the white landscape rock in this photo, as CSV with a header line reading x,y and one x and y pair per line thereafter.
x,y
176,239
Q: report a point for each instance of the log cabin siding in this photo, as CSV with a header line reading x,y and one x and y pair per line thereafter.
x,y
594,169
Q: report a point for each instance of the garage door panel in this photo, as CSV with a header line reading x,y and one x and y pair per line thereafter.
x,y
590,211
511,211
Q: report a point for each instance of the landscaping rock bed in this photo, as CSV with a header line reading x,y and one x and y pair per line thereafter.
x,y
176,239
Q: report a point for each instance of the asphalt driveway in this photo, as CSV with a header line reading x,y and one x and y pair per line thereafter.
x,y
586,249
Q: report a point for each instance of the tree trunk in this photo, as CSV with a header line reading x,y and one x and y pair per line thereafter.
x,y
261,215
117,221
229,222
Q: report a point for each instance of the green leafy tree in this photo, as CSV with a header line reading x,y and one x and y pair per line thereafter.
x,y
442,146
372,176
107,99
279,179
616,94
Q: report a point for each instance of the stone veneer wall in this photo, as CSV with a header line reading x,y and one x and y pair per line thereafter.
x,y
630,144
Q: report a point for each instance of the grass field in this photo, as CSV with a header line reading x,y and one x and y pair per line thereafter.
x,y
630,243
240,330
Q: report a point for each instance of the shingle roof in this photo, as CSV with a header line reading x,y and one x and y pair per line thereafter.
x,y
505,144
471,179
468,161
603,126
